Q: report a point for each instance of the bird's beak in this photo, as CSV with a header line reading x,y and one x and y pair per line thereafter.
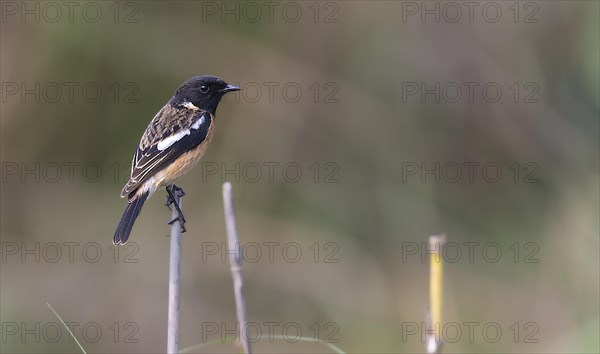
x,y
230,88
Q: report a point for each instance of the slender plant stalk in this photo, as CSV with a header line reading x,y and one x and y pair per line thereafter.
x,y
236,265
286,338
68,329
434,341
174,280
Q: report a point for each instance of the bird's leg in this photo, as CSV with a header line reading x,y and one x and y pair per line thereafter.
x,y
173,193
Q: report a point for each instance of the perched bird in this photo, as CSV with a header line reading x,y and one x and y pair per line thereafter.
x,y
172,144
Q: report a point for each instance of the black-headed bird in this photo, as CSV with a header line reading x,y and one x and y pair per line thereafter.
x,y
172,144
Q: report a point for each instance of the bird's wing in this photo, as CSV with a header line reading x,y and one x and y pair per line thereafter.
x,y
172,132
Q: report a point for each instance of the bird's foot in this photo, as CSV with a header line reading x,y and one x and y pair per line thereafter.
x,y
174,193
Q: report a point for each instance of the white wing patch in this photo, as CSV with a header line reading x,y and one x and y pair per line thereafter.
x,y
163,144
168,141
198,123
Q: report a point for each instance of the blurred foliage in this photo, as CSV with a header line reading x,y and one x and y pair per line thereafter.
x,y
370,133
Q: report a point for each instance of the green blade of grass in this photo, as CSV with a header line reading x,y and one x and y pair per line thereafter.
x,y
71,333
333,347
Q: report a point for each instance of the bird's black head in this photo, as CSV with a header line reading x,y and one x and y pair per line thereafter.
x,y
203,92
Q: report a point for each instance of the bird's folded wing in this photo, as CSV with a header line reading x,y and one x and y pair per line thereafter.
x,y
171,133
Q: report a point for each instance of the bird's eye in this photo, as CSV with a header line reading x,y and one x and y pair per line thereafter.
x,y
204,89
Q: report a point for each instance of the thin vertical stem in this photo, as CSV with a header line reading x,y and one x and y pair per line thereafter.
x,y
174,279
236,265
434,342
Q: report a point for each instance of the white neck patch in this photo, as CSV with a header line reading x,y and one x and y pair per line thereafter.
x,y
190,105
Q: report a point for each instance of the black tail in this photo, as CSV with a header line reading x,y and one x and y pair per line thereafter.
x,y
126,224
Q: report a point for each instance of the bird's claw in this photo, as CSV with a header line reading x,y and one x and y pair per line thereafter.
x,y
175,193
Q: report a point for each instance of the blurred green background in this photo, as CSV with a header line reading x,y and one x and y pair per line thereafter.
x,y
344,93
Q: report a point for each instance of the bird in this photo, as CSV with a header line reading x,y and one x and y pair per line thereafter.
x,y
171,145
